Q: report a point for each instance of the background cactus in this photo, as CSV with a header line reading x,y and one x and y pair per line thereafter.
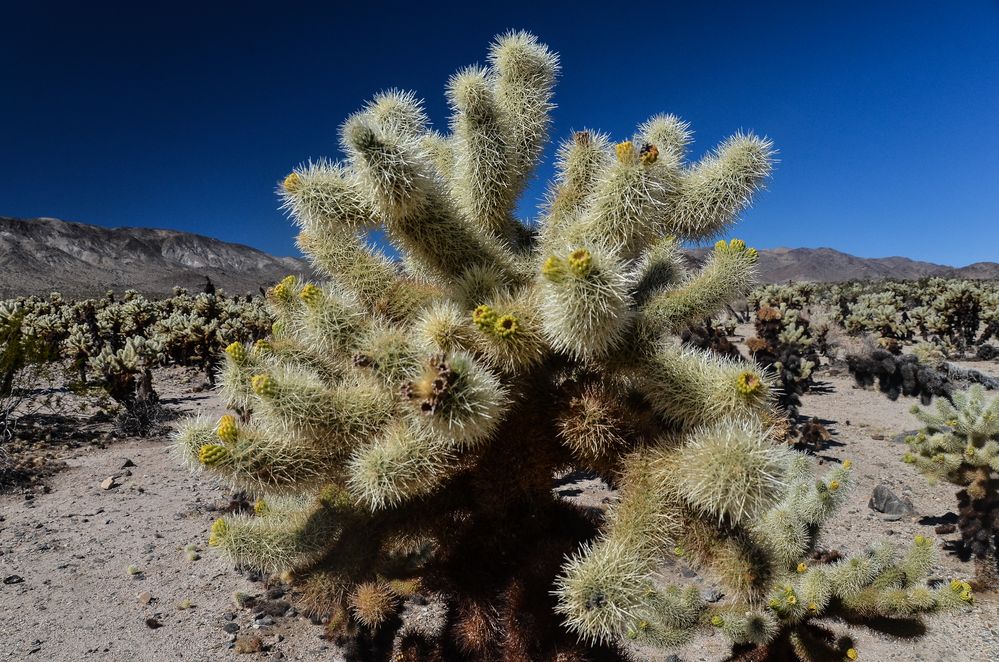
x,y
960,444
408,419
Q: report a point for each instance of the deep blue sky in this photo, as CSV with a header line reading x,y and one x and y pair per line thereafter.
x,y
185,116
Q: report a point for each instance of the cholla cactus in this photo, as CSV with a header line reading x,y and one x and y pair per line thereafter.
x,y
960,444
408,420
784,343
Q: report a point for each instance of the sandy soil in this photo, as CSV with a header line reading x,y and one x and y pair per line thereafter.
x,y
72,547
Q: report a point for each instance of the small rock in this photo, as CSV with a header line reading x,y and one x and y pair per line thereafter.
x,y
251,644
878,437
712,595
673,658
885,501
278,655
264,622
153,623
273,607
275,593
229,616
108,483
291,613
13,579
145,597
944,529
900,437
231,628
125,463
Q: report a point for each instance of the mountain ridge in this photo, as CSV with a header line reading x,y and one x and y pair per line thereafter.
x,y
42,255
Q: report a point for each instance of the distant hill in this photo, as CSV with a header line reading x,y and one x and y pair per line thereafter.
x,y
42,255
779,265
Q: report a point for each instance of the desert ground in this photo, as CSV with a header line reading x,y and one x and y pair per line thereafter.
x,y
119,569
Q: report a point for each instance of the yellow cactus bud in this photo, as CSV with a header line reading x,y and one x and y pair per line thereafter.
x,y
484,317
847,464
260,507
852,654
813,608
792,599
649,154
505,326
219,528
625,152
737,245
966,595
236,351
311,294
909,458
581,262
717,621
721,246
969,452
211,454
262,347
921,540
952,422
263,385
553,269
753,254
955,585
292,182
227,430
748,383
802,567
678,551
774,603
834,485
643,625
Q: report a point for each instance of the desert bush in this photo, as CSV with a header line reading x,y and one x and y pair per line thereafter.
x,y
408,419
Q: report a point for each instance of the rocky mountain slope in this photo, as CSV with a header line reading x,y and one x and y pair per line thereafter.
x,y
779,265
41,255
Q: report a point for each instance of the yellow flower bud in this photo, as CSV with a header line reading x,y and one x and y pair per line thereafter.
x,y
311,294
219,528
802,567
227,430
581,262
292,182
505,326
847,464
484,317
748,383
211,454
625,152
717,621
260,507
649,154
553,269
236,351
833,485
852,654
263,385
